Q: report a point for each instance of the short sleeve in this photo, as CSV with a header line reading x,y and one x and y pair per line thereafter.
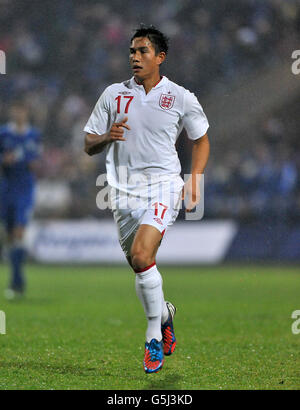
x,y
194,118
99,120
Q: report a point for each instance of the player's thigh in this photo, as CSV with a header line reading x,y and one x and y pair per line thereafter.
x,y
153,225
8,216
18,232
146,241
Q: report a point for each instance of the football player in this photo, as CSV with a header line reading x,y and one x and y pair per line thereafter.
x,y
19,153
138,122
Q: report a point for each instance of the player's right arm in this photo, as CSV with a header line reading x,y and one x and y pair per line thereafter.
x,y
7,157
94,143
100,131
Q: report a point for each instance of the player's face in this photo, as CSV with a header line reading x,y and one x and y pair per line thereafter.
x,y
143,60
19,114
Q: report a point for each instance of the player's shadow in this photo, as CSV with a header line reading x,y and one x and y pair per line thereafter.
x,y
169,382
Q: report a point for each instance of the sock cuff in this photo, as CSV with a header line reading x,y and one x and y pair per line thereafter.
x,y
146,268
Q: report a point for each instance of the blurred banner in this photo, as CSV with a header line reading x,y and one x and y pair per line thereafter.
x,y
89,241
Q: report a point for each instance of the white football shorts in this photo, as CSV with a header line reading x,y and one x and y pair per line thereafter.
x,y
129,213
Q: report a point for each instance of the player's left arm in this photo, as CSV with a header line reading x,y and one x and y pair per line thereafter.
x,y
33,154
200,155
196,125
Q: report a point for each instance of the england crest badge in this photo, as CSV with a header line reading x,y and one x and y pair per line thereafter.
x,y
166,101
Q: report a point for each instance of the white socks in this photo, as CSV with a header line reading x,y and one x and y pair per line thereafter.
x,y
148,286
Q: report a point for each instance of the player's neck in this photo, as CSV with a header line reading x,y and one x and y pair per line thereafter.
x,y
149,83
20,127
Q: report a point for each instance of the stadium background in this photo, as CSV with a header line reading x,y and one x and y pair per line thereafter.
x,y
233,322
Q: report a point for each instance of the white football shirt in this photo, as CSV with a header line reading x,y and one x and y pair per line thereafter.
x,y
156,119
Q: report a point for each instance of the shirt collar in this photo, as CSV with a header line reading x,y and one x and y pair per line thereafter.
x,y
13,128
163,81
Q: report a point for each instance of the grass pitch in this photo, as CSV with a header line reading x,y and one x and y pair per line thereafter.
x,y
83,328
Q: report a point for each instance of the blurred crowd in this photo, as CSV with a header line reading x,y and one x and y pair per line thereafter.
x,y
261,182
62,54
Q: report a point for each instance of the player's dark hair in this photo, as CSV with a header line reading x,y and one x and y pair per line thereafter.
x,y
157,38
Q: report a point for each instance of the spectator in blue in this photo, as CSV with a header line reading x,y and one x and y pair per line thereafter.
x,y
19,154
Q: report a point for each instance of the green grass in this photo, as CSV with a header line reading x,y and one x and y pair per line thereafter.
x,y
83,328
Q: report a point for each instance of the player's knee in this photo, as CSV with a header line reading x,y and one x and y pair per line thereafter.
x,y
140,260
18,234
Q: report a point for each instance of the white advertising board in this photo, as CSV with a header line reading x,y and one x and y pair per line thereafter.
x,y
89,241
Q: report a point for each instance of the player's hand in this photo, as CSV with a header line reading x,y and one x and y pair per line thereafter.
x,y
117,131
191,189
9,158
